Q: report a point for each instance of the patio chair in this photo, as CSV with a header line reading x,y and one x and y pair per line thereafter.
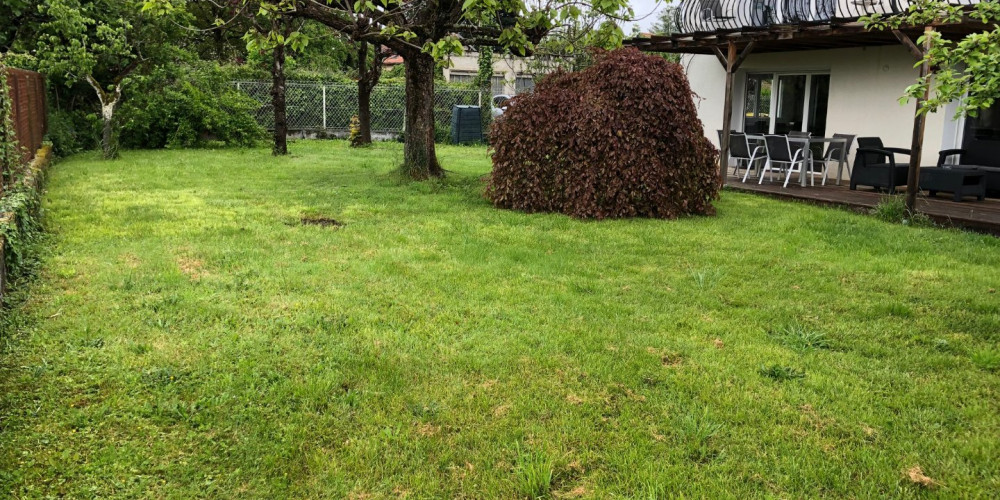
x,y
835,152
875,165
779,151
739,149
800,134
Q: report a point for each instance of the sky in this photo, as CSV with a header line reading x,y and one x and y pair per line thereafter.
x,y
647,8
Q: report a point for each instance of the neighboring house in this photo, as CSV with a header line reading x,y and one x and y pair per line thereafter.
x,y
811,66
511,75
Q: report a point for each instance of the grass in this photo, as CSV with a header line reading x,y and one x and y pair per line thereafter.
x,y
189,336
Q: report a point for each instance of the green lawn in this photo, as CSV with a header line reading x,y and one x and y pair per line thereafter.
x,y
188,337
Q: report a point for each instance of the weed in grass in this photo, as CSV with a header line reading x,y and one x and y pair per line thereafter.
x,y
987,359
698,430
892,209
799,337
160,376
780,372
651,490
533,474
706,278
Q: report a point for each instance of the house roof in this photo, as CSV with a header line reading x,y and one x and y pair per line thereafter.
x,y
392,60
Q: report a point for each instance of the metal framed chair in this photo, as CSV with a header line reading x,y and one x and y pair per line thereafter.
x,y
779,151
835,152
739,149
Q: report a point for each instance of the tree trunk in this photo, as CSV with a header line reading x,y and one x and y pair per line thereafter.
x,y
109,104
109,145
278,102
364,116
419,158
365,86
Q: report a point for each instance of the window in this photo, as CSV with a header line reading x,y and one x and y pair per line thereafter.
x,y
461,77
497,84
782,103
524,83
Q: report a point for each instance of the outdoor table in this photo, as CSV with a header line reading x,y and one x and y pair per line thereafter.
x,y
959,180
808,141
809,155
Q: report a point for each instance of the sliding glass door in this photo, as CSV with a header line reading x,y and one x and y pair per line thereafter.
x,y
778,103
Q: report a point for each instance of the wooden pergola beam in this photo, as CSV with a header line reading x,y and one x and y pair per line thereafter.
x,y
908,43
731,62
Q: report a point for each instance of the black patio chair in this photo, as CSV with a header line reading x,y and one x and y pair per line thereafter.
x,y
739,149
779,151
875,165
835,151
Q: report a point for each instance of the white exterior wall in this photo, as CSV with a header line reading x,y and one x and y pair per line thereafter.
x,y
865,86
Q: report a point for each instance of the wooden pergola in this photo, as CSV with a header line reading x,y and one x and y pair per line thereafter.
x,y
732,47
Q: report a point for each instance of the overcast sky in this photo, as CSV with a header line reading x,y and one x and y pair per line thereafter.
x,y
645,12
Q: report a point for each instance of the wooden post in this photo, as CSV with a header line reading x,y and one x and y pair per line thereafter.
x,y
916,146
727,116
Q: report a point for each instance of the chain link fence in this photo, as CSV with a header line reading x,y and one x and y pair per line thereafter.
x,y
315,107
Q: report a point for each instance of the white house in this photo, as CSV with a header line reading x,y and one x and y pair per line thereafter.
x,y
809,65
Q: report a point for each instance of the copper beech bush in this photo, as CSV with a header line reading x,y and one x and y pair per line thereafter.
x,y
618,139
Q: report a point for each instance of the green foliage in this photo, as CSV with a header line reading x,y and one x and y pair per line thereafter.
x,y
72,131
892,209
483,82
575,146
21,229
442,132
10,153
987,359
965,69
571,47
187,106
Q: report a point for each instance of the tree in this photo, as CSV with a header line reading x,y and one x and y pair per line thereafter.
x,y
18,16
369,73
101,42
570,47
275,31
425,32
666,21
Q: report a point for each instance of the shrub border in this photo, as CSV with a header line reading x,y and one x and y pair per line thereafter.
x,y
19,214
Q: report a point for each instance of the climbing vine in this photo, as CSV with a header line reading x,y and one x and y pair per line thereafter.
x,y
484,83
10,154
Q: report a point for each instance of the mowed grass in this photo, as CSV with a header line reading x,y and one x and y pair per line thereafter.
x,y
189,337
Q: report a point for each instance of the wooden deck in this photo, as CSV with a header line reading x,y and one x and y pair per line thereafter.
x,y
983,216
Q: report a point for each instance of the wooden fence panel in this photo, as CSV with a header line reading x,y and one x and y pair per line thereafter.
x,y
27,92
